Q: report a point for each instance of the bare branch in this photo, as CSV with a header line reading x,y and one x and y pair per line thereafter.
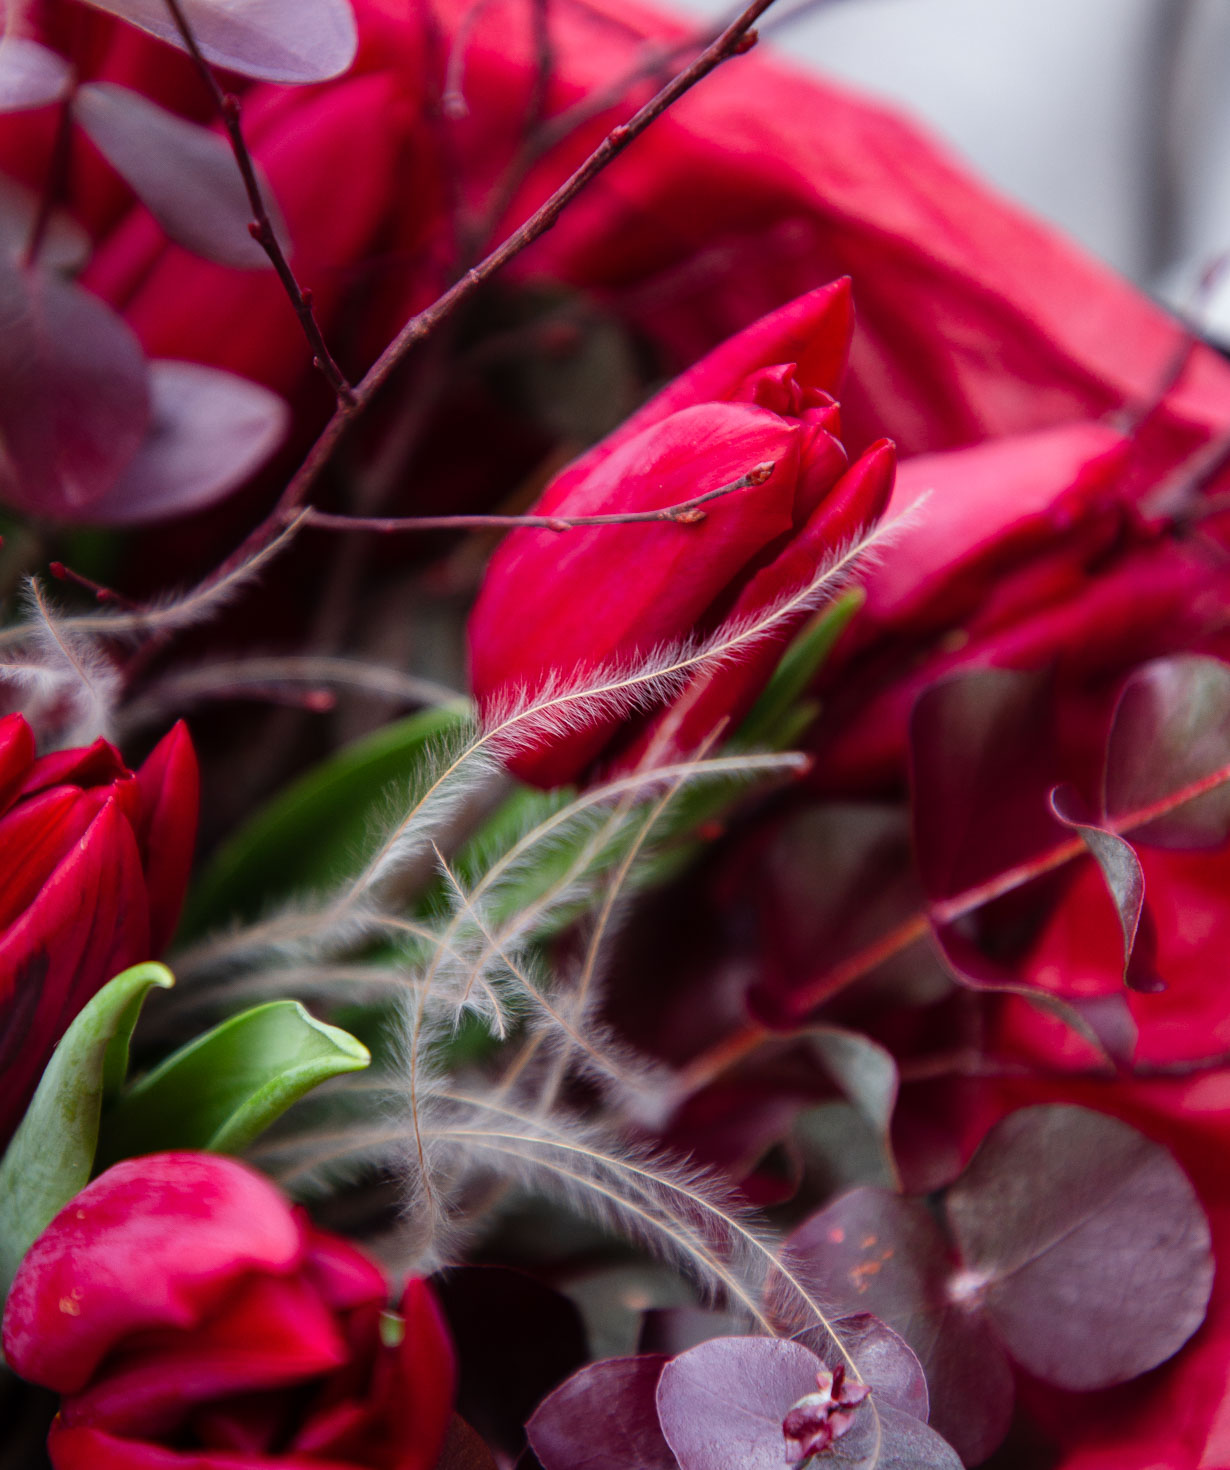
x,y
261,228
685,513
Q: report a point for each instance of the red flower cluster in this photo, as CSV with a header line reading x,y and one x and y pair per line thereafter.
x,y
190,1318
94,863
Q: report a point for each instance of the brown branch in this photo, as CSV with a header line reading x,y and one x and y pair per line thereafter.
x,y
685,513
741,1043
261,228
737,38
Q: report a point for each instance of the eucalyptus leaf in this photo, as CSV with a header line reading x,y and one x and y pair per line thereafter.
x,y
220,1091
279,40
51,1155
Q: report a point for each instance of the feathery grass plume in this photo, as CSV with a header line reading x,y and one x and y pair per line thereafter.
x,y
72,687
564,703
169,614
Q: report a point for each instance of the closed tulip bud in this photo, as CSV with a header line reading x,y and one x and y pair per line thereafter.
x,y
94,864
554,605
190,1317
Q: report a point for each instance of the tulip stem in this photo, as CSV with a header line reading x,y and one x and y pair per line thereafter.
x,y
261,228
685,513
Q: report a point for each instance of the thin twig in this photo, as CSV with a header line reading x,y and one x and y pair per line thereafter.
x,y
739,1044
685,513
261,228
738,37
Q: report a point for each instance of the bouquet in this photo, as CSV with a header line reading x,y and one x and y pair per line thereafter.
x,y
614,767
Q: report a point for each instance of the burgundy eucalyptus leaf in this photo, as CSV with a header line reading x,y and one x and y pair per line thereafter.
x,y
867,1075
74,395
874,1251
278,40
1125,882
1171,731
516,1339
889,1440
210,430
65,245
721,1404
1084,1243
30,75
979,773
185,175
1102,1021
883,1358
603,1418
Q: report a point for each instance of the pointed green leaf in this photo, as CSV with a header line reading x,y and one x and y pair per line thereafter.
x,y
317,831
226,1087
781,715
51,1154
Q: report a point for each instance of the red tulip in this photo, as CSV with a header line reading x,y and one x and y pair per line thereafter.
x,y
190,1317
565,604
94,863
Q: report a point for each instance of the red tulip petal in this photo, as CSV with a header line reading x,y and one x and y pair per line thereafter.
x,y
87,924
170,787
270,1333
428,1372
16,756
154,1242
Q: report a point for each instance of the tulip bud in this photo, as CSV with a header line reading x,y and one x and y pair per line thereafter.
x,y
564,605
94,864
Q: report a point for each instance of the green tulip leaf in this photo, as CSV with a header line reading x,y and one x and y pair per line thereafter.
x,y
220,1091
51,1155
781,714
316,832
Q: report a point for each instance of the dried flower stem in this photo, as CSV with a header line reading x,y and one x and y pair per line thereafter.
x,y
685,513
261,228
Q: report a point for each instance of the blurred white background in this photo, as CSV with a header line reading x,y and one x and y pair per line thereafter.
x,y
1109,117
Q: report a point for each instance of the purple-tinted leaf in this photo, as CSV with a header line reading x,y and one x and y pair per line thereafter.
x,y
74,395
882,1356
979,775
1125,882
185,175
209,431
1101,1021
867,1075
1171,732
872,1251
279,40
1084,1243
889,1440
516,1339
65,246
721,1404
30,74
603,1418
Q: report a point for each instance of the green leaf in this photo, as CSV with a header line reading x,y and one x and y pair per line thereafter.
x,y
317,831
50,1156
226,1087
778,718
